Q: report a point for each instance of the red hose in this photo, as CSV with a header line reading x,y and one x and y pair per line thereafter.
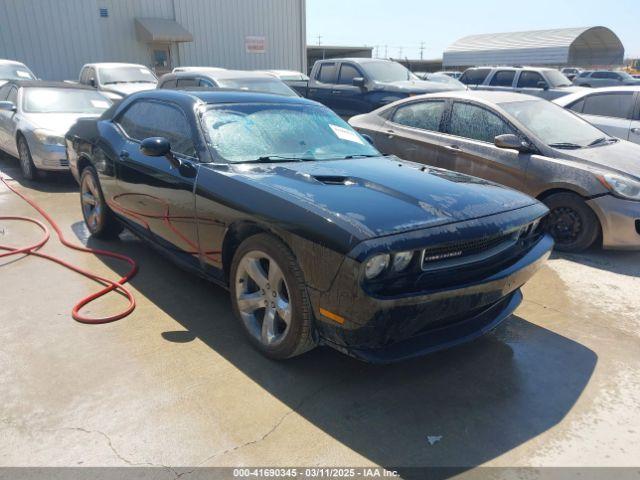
x,y
110,285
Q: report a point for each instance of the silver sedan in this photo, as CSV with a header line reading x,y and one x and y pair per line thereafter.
x,y
35,116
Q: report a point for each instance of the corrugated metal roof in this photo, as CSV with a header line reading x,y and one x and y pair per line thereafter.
x,y
558,37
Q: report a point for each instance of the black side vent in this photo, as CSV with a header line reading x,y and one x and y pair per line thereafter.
x,y
334,180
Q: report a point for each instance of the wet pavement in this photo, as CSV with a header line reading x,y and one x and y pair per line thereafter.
x,y
176,383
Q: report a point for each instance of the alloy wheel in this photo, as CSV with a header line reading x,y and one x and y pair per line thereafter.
x,y
564,224
262,297
25,159
91,203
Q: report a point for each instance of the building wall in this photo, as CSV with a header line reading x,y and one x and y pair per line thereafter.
x,y
56,37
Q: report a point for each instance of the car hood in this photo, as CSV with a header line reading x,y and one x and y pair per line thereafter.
x,y
417,86
379,196
621,157
128,88
572,89
56,122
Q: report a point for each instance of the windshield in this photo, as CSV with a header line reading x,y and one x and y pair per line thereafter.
x,y
126,75
15,71
557,79
63,100
247,132
387,72
442,78
553,124
268,85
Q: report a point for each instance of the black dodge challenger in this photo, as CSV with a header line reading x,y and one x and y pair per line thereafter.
x,y
319,238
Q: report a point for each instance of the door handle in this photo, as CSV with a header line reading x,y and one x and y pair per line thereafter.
x,y
390,133
124,155
453,147
336,92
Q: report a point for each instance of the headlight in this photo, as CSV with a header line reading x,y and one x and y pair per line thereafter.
x,y
623,187
401,260
376,265
49,138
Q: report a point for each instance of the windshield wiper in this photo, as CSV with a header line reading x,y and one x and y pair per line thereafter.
x,y
566,145
278,158
364,155
602,140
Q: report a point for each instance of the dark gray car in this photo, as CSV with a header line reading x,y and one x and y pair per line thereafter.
x,y
605,78
590,181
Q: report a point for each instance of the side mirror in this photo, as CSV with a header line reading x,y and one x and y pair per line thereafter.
x,y
358,82
92,82
7,107
509,140
543,85
155,147
367,138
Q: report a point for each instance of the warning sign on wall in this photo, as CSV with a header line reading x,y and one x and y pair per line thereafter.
x,y
253,44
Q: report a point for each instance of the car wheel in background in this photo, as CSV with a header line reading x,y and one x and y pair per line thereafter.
x,y
269,297
570,222
98,217
29,170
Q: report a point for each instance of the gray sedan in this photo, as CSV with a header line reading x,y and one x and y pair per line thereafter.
x,y
589,180
34,117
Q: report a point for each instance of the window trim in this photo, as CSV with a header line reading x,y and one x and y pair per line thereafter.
x,y
116,121
449,116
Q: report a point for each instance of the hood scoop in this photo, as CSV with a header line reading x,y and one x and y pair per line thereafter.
x,y
334,179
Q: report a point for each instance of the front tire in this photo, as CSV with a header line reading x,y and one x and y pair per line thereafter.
x,y
570,222
98,217
29,170
269,297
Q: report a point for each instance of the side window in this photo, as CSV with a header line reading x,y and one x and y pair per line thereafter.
x,y
584,74
327,73
477,123
146,119
609,104
4,91
347,74
171,83
530,79
503,78
187,82
423,115
84,76
13,96
91,73
203,82
474,76
577,106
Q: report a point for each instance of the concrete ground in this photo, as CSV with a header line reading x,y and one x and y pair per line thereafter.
x,y
176,384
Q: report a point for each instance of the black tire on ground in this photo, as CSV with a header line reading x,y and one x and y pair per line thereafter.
x,y
100,220
29,170
297,337
571,222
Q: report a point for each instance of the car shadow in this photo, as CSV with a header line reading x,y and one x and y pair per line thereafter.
x,y
54,182
457,409
621,262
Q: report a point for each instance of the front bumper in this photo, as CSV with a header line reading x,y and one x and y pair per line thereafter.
x,y
620,222
48,157
383,330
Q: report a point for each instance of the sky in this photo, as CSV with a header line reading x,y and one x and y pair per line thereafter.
x,y
407,23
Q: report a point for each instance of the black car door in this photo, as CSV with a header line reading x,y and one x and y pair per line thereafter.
x,y
153,194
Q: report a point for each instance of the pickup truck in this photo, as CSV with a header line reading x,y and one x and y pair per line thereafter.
x,y
351,86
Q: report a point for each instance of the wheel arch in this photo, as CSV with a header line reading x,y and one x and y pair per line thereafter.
x,y
237,233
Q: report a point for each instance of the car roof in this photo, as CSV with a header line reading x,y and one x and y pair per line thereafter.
x,y
114,65
567,99
191,96
485,96
220,74
10,62
49,84
359,60
511,67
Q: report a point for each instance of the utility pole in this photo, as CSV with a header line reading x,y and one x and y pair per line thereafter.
x,y
319,39
377,52
386,51
399,52
421,50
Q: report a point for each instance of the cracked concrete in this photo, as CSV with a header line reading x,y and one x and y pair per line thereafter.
x,y
176,385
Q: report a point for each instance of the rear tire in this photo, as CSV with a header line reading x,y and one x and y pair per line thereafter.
x,y
29,170
570,222
98,217
267,285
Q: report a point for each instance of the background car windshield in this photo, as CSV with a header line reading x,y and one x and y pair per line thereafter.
x,y
257,85
245,132
388,72
442,78
553,124
126,75
15,72
558,79
61,100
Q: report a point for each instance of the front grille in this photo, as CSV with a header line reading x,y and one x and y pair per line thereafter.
x,y
433,256
64,163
